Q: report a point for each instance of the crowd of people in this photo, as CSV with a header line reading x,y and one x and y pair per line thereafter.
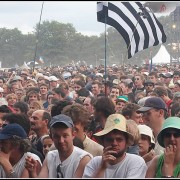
x,y
83,122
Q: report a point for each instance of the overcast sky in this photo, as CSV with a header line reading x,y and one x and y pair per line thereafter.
x,y
25,15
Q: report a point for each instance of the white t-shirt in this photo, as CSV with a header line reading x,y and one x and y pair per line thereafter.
x,y
132,166
69,166
19,167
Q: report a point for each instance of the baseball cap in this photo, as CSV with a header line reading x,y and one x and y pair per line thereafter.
x,y
66,75
116,81
53,78
153,102
11,130
171,122
167,75
122,98
61,118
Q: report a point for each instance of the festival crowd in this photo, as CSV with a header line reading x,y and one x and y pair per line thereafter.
x,y
90,122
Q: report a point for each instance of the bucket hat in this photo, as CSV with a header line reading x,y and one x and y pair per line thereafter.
x,y
171,122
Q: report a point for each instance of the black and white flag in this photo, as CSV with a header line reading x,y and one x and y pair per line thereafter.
x,y
137,25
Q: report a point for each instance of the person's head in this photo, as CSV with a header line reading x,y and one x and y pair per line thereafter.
x,y
79,115
19,93
149,86
33,96
13,137
40,120
177,86
176,76
129,112
13,87
62,133
47,143
138,80
121,101
96,88
20,119
53,81
21,107
139,95
43,89
115,134
58,107
58,93
11,99
65,87
164,69
153,76
154,112
79,85
35,105
115,91
147,140
170,133
103,107
88,104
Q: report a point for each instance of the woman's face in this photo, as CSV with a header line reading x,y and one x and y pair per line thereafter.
x,y
144,144
11,100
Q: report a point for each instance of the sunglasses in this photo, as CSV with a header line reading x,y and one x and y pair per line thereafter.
x,y
59,171
169,134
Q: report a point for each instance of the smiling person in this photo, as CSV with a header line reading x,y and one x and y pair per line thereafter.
x,y
115,162
167,165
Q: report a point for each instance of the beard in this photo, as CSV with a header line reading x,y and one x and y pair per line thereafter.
x,y
119,153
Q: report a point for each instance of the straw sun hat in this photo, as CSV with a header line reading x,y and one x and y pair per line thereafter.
x,y
115,121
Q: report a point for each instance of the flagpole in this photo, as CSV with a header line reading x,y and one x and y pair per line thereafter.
x,y
150,68
37,37
105,58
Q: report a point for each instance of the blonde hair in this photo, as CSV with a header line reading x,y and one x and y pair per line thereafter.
x,y
10,96
132,128
36,104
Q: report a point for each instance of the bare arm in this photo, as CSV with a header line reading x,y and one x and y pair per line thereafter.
x,y
80,170
151,171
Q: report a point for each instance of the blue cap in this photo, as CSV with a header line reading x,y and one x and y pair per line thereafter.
x,y
11,130
61,118
153,102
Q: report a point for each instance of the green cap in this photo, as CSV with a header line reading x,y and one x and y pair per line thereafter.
x,y
171,122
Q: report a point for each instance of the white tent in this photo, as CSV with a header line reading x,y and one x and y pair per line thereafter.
x,y
24,66
162,56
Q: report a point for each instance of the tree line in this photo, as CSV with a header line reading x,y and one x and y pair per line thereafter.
x,y
60,43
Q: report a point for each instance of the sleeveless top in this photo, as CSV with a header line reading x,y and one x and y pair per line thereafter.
x,y
176,171
68,166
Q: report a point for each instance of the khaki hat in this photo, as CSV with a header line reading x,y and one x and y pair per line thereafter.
x,y
146,130
115,121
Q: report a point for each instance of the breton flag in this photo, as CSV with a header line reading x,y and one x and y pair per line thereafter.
x,y
137,25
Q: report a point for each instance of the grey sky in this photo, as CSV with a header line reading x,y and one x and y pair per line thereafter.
x,y
25,14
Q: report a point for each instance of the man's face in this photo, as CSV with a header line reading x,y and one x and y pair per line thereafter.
x,y
79,130
123,87
137,117
137,81
53,83
116,139
152,78
87,105
36,121
63,139
95,89
43,90
33,97
14,88
176,88
19,94
151,117
17,110
1,83
175,78
163,70
114,92
149,87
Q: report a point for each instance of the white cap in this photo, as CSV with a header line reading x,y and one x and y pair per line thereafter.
x,y
99,74
38,75
53,78
66,75
146,130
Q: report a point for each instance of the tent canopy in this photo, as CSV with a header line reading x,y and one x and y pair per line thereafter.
x,y
162,56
